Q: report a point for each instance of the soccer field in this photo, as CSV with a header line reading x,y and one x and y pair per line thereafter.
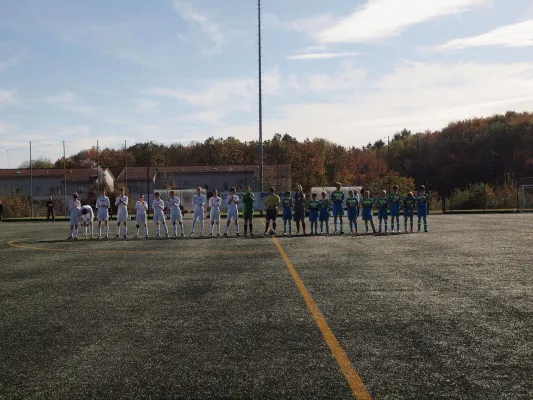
x,y
447,314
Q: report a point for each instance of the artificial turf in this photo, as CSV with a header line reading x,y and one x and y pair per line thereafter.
x,y
440,315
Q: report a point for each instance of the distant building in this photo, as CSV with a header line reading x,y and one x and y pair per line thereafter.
x,y
51,182
221,177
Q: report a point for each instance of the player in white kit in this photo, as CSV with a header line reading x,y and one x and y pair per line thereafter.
x,y
103,205
175,214
198,202
159,215
214,206
87,217
122,213
74,207
233,211
141,208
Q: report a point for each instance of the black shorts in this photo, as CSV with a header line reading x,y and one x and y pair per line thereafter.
x,y
271,215
299,215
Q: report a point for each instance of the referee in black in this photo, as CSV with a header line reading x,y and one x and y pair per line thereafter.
x,y
50,210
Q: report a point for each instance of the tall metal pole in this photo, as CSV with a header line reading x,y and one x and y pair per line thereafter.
x,y
126,169
97,171
260,98
388,159
31,184
64,181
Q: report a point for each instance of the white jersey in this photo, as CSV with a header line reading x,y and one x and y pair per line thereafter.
x,y
122,204
198,201
141,207
215,203
87,214
174,204
74,206
233,203
158,206
103,202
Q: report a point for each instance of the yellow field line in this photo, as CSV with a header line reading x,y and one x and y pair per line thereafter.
x,y
355,382
13,243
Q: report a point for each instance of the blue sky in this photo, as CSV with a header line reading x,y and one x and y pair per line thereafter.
x,y
184,70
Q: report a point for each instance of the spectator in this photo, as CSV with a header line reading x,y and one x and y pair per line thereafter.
x,y
1,210
50,210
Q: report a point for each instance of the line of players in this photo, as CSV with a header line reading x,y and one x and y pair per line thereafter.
x,y
292,209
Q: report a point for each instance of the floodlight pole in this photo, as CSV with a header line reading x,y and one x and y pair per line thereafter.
x,y
65,181
31,184
260,98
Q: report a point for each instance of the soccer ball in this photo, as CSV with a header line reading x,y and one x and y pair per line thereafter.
x,y
272,231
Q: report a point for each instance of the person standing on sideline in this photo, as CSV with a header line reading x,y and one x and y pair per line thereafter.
x,y
198,203
122,213
103,205
272,203
50,210
1,210
248,210
233,211
299,209
74,208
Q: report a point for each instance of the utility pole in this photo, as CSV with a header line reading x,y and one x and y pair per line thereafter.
x,y
31,184
260,78
64,180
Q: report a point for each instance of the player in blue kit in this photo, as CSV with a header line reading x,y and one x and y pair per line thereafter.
x,y
287,203
395,203
324,206
314,208
383,210
422,204
352,207
337,198
409,210
367,203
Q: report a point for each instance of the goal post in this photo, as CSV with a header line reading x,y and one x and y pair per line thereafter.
x,y
525,198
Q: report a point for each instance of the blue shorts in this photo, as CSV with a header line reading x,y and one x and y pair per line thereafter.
x,y
422,211
287,214
383,213
338,210
408,212
353,213
313,215
367,214
324,215
395,212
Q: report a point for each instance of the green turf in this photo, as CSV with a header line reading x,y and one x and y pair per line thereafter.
x,y
440,315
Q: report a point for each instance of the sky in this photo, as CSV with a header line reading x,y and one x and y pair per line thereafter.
x,y
350,71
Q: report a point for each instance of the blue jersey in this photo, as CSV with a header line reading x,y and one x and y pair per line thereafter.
x,y
287,203
422,201
395,201
352,204
409,206
314,207
367,203
324,206
337,197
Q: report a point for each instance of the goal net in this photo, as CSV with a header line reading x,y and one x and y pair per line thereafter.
x,y
525,198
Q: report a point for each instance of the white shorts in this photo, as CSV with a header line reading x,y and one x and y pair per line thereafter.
x,y
103,215
159,217
74,219
199,213
215,216
233,214
141,219
175,216
122,216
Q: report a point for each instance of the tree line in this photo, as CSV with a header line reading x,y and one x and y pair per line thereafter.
x,y
492,150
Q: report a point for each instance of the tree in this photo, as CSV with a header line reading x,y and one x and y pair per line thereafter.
x,y
41,162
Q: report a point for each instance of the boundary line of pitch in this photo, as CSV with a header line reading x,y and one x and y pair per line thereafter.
x,y
355,382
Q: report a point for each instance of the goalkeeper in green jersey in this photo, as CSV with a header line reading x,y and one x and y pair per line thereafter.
x,y
248,210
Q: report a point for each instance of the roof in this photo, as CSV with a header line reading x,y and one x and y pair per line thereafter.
x,y
526,181
140,173
73,174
